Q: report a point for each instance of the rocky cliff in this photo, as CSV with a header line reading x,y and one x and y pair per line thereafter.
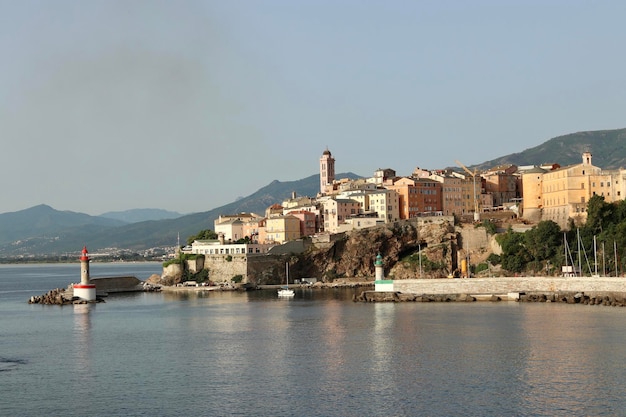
x,y
401,244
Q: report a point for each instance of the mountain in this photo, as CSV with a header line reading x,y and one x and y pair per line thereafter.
x,y
43,220
606,146
140,215
44,230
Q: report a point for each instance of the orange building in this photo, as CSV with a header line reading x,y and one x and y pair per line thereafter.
x,y
417,196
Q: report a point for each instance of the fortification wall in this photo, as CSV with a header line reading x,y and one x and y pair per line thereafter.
x,y
473,238
266,269
223,268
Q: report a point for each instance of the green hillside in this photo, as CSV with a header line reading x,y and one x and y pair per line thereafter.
x,y
608,148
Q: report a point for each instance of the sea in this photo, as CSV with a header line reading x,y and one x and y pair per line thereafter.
x,y
316,354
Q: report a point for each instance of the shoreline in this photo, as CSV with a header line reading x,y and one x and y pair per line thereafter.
x,y
318,285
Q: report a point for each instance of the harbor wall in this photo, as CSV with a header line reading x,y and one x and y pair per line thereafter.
x,y
504,285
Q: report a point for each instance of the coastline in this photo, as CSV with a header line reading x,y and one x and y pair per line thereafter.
x,y
317,285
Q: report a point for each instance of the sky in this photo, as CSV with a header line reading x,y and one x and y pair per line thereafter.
x,y
187,105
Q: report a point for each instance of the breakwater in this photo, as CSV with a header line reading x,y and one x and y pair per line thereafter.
x,y
584,290
505,285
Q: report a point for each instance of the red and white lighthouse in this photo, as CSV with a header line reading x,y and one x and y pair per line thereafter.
x,y
85,290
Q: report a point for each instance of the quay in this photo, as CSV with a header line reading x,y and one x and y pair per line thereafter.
x,y
506,285
586,290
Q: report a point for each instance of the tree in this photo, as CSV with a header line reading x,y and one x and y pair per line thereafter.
x,y
599,215
514,254
544,240
206,234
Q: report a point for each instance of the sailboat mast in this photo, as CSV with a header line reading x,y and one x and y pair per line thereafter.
x,y
565,251
595,256
615,252
580,262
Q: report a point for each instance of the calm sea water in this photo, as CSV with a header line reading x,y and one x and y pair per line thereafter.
x,y
319,354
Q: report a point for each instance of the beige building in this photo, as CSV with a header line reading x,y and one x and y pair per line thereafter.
x,y
337,211
460,193
532,183
237,226
386,203
501,183
280,229
563,193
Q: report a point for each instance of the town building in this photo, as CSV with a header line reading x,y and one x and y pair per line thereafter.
x,y
308,221
502,184
386,203
563,193
337,210
236,226
417,196
218,247
460,193
280,229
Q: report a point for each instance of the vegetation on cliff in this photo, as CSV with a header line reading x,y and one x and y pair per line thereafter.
x,y
543,248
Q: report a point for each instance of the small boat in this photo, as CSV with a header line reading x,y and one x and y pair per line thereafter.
x,y
285,291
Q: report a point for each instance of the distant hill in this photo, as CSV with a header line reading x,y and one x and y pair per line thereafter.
x,y
608,148
44,230
140,215
43,220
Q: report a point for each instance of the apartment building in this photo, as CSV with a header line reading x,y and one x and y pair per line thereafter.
x,y
386,203
308,221
460,193
280,229
417,196
337,210
502,184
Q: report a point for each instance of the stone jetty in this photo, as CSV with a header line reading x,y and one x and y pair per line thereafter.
x,y
104,286
571,290
60,296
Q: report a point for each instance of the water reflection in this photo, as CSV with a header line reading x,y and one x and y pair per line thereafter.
x,y
82,340
564,366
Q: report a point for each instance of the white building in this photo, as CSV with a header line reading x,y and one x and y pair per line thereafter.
x,y
215,247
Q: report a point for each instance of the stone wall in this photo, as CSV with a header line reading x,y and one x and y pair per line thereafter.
x,y
174,271
117,284
473,238
221,269
195,265
504,285
267,270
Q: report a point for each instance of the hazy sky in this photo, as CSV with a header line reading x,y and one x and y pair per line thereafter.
x,y
186,105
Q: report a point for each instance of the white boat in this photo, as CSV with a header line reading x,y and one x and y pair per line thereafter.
x,y
285,291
